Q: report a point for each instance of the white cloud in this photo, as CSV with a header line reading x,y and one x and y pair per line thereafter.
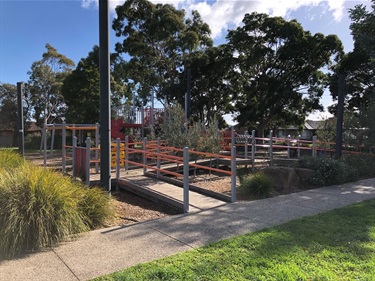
x,y
95,3
224,14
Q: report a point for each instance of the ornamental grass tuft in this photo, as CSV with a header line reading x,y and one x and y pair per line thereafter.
x,y
9,159
40,207
259,185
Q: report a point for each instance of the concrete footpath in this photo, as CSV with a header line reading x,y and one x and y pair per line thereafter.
x,y
108,250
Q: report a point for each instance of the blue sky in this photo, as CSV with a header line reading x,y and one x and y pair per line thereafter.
x,y
72,26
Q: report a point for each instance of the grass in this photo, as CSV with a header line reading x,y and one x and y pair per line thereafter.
x,y
9,159
338,245
40,207
258,185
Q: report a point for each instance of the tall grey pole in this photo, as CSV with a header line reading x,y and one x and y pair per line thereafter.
x,y
186,180
188,95
105,104
21,135
340,115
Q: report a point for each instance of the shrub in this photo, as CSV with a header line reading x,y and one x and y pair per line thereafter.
x,y
10,159
40,208
180,133
94,205
259,185
32,141
328,171
364,165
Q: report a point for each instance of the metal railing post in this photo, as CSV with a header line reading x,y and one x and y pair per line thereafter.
x,y
234,175
88,151
299,146
143,122
288,141
74,156
246,143
52,141
158,159
233,141
271,148
73,132
253,147
63,148
118,146
97,146
126,153
144,155
314,147
186,179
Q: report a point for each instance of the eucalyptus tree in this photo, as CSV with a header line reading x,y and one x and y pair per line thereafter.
x,y
161,43
44,85
277,70
359,64
9,109
8,106
81,89
358,67
211,92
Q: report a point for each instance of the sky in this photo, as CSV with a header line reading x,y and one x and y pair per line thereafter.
x,y
72,26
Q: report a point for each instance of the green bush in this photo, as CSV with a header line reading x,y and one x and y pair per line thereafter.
x,y
10,159
364,165
259,185
32,141
39,208
329,171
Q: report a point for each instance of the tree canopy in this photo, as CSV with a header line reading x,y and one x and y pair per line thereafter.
x,y
44,85
81,90
160,43
277,70
8,106
358,65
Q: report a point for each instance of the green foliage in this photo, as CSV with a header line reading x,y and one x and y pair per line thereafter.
x,y
259,185
94,205
273,60
161,43
358,130
364,165
358,65
8,106
32,140
40,207
211,93
10,160
178,134
328,171
44,86
81,89
8,109
338,245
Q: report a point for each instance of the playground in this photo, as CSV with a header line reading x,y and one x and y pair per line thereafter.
x,y
183,178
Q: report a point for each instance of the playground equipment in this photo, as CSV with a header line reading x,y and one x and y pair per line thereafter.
x,y
80,128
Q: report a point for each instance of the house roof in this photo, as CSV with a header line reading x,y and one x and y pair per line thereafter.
x,y
33,128
311,124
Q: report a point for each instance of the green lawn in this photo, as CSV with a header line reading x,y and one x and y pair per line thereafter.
x,y
338,245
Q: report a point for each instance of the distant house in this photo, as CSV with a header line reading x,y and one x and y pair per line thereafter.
x,y
7,136
308,131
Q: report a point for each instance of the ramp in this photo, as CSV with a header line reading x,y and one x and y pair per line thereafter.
x,y
161,191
